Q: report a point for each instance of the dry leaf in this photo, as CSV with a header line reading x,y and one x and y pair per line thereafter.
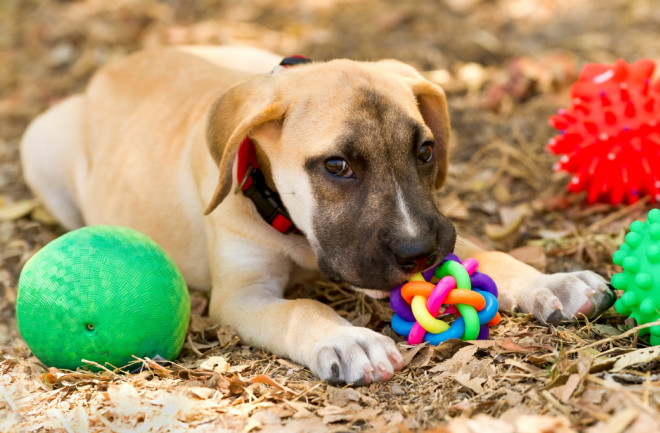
x,y
236,385
42,215
238,368
620,421
554,234
310,424
606,330
409,354
423,358
565,391
16,210
456,362
641,356
498,232
226,334
341,396
543,424
530,368
262,378
645,423
533,255
291,365
199,323
454,208
217,364
366,414
473,383
261,418
361,320
480,423
332,413
126,400
512,219
201,392
508,344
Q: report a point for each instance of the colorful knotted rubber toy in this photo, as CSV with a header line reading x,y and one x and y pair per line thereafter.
x,y
639,256
609,138
467,293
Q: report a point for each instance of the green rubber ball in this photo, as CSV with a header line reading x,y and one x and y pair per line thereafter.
x,y
639,256
103,294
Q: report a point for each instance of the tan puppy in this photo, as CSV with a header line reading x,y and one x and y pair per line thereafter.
x,y
355,150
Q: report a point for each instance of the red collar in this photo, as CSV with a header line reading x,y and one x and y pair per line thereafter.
x,y
252,182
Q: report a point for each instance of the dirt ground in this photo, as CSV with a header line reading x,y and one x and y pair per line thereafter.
x,y
506,66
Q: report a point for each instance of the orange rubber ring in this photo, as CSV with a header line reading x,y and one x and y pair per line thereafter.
x,y
417,288
466,296
495,320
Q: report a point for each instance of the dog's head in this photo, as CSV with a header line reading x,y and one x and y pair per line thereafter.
x,y
356,151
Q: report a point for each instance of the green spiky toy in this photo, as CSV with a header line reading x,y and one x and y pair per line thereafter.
x,y
103,294
640,280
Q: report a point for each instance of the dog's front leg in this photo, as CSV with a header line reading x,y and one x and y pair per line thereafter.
x,y
248,283
551,298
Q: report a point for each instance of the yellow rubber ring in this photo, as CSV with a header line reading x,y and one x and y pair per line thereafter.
x,y
417,277
424,318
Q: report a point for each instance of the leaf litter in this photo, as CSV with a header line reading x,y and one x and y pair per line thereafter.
x,y
503,77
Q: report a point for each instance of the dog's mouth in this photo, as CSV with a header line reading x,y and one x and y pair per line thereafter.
x,y
425,264
380,291
381,267
373,293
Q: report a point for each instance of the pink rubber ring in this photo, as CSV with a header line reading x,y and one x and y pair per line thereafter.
x,y
416,335
470,265
439,293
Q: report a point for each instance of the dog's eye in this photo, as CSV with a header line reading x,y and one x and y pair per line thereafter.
x,y
339,168
425,152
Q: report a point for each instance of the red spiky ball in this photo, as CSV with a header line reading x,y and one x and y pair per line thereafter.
x,y
610,137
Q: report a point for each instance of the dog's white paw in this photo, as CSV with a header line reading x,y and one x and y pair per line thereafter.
x,y
355,355
554,298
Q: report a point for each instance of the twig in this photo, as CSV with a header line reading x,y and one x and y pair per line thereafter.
x,y
616,337
598,225
552,400
296,397
96,364
618,388
193,348
11,403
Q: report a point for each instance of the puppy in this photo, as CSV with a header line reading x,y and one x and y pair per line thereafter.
x,y
343,160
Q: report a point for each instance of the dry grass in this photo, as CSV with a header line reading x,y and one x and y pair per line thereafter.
x,y
589,376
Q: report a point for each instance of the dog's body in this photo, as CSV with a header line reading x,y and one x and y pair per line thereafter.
x,y
355,151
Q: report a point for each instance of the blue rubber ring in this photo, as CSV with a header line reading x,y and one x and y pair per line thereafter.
x,y
402,327
490,310
456,330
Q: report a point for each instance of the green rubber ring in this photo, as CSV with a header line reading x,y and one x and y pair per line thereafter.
x,y
468,312
457,271
472,325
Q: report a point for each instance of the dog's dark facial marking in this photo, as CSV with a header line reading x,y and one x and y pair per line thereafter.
x,y
372,228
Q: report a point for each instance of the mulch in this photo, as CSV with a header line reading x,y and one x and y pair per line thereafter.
x,y
506,66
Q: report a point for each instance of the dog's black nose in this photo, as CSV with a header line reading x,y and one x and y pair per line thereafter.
x,y
413,257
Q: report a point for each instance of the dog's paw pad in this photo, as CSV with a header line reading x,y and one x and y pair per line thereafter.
x,y
355,355
563,297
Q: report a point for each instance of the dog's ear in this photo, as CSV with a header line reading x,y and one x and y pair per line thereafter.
x,y
237,113
432,105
